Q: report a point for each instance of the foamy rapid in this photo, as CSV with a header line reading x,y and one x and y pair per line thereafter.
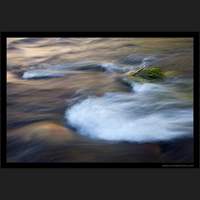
x,y
137,117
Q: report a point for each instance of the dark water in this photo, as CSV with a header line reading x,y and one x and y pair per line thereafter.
x,y
69,100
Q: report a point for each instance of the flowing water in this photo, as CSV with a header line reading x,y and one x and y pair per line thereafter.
x,y
69,100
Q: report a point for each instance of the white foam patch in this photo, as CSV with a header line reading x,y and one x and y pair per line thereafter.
x,y
148,60
41,74
111,67
128,117
47,74
147,87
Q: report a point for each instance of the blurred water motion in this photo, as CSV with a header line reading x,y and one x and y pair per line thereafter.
x,y
67,101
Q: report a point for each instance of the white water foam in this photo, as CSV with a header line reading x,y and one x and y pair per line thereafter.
x,y
47,73
111,67
148,87
41,74
55,71
130,117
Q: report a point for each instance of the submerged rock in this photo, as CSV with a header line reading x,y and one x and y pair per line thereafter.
x,y
49,132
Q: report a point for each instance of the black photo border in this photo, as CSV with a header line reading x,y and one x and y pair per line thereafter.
x,y
3,68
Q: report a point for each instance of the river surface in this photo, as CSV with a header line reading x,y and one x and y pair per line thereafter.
x,y
69,100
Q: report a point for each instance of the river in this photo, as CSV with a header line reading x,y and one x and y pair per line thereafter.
x,y
68,100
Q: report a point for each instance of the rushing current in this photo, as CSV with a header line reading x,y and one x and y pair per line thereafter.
x,y
78,88
136,117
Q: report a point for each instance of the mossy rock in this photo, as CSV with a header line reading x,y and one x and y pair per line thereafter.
x,y
151,73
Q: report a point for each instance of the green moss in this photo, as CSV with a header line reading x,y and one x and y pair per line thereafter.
x,y
147,74
151,73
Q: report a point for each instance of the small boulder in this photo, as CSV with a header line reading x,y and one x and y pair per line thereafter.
x,y
49,132
150,73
